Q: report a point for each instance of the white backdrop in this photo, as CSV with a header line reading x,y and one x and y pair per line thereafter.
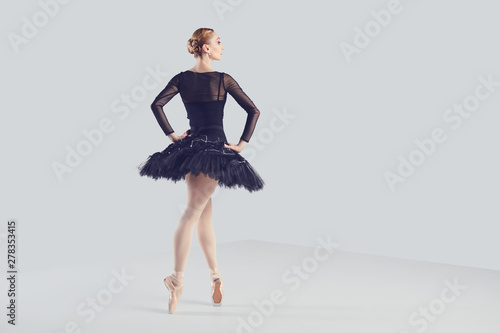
x,y
379,126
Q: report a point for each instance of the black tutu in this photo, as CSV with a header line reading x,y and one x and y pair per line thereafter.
x,y
202,151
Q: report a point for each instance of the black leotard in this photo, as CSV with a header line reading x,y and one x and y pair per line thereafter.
x,y
204,96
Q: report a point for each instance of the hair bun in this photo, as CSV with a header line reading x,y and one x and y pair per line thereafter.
x,y
194,44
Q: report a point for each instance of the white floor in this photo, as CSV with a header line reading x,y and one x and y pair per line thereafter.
x,y
345,292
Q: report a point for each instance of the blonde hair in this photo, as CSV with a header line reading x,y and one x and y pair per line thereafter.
x,y
200,37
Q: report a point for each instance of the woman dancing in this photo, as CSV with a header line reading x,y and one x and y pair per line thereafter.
x,y
201,156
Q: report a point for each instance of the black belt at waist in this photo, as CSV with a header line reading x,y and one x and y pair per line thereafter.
x,y
202,127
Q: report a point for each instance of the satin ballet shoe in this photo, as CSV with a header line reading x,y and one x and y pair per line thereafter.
x,y
174,293
217,290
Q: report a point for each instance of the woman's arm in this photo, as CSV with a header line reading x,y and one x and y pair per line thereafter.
x,y
163,98
234,89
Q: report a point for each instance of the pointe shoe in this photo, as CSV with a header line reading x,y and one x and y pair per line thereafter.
x,y
174,293
217,290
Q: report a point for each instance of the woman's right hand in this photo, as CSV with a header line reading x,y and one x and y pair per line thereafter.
x,y
174,137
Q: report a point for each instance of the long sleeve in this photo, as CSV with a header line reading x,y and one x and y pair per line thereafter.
x,y
234,89
163,98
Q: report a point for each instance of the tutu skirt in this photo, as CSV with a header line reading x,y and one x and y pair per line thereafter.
x,y
203,151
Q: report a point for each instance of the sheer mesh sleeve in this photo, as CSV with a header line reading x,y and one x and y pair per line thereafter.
x,y
163,98
234,89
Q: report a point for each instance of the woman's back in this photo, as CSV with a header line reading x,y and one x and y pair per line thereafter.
x,y
204,96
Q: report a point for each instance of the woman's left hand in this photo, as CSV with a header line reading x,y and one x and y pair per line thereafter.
x,y
236,148
187,133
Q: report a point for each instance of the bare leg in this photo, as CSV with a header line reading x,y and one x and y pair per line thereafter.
x,y
200,189
206,236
